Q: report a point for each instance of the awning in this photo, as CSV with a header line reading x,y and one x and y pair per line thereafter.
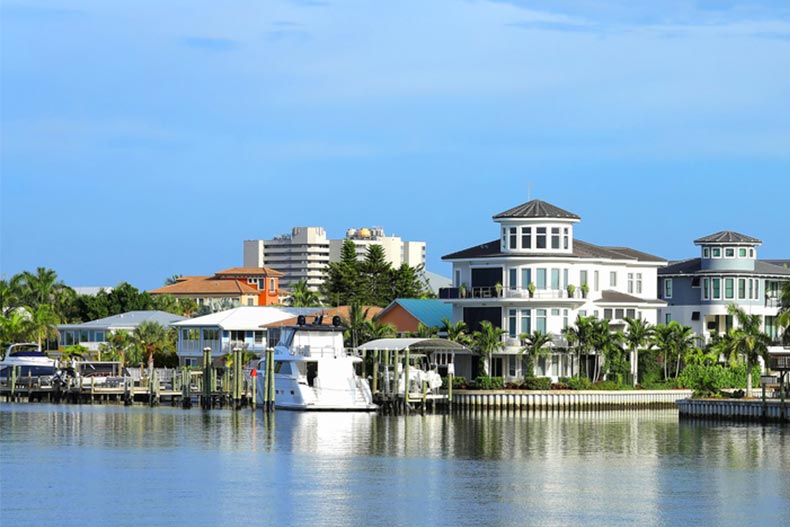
x,y
417,345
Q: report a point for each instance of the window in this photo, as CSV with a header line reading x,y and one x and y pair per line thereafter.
x,y
511,323
751,288
555,312
237,335
630,313
457,278
751,253
639,283
555,237
250,301
513,278
716,251
210,334
504,238
565,239
513,238
564,319
695,281
729,252
706,252
716,286
259,337
667,318
526,237
565,278
613,279
540,237
272,285
526,278
540,320
631,283
695,315
526,322
582,278
541,279
597,281
667,288
607,314
705,288
742,253
619,313
741,288
555,279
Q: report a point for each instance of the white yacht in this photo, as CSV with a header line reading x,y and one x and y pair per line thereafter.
x,y
32,363
313,371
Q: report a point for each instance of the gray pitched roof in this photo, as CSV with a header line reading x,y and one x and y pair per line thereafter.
x,y
130,319
728,237
581,249
537,209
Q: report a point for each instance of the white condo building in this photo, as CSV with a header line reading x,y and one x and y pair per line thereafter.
x,y
570,277
306,252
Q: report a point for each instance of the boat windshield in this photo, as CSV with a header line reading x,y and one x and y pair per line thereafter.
x,y
286,337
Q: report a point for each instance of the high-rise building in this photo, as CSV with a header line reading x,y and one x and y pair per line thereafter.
x,y
306,252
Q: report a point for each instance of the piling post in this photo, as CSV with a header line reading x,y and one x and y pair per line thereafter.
x,y
375,383
406,381
254,388
205,401
450,376
424,395
237,372
14,373
272,390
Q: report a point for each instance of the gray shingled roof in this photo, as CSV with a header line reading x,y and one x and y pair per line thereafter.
x,y
130,319
581,249
728,237
537,209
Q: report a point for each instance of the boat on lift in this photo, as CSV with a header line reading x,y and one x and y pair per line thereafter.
x,y
30,361
313,370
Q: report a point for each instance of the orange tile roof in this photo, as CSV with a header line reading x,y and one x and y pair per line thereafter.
x,y
328,313
206,286
249,271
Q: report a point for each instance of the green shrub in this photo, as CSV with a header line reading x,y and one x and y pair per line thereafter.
x,y
714,378
459,383
536,383
489,383
576,383
609,385
738,394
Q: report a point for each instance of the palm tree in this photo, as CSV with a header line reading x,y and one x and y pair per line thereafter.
x,y
608,344
116,346
637,336
9,295
303,296
535,346
783,320
748,340
43,324
458,332
14,327
150,337
356,325
579,337
425,332
376,329
674,341
486,341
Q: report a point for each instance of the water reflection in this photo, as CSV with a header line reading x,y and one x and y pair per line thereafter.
x,y
208,468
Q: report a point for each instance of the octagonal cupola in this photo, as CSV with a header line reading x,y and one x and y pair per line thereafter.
x,y
536,227
728,250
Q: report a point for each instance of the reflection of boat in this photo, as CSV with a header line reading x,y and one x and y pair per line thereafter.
x,y
313,371
31,363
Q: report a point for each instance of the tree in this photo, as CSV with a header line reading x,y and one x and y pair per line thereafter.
x,y
783,318
116,346
14,327
10,295
747,340
609,345
149,338
376,329
456,332
375,290
172,279
356,325
408,282
637,335
673,341
486,341
535,346
425,332
579,337
342,278
43,324
303,296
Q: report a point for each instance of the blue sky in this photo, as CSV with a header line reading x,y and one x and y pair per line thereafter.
x,y
144,138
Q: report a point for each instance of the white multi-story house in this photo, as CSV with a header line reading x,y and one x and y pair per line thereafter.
x,y
306,252
538,276
699,290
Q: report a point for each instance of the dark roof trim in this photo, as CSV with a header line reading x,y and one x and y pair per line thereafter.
x,y
581,249
728,237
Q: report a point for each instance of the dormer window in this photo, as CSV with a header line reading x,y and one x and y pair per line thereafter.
x,y
513,238
742,253
565,238
729,252
716,252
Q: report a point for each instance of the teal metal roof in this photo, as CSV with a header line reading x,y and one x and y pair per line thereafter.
x,y
430,312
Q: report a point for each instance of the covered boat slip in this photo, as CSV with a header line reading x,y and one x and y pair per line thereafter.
x,y
417,363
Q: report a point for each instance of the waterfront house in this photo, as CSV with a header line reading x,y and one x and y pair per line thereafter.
x,y
94,333
698,291
242,286
538,276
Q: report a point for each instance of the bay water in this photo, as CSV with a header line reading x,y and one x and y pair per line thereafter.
x,y
67,465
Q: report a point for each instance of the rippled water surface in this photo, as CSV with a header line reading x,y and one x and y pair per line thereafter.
x,y
108,465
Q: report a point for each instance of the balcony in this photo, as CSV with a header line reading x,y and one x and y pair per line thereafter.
x,y
453,293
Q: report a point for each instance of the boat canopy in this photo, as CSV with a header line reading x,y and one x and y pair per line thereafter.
x,y
419,345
